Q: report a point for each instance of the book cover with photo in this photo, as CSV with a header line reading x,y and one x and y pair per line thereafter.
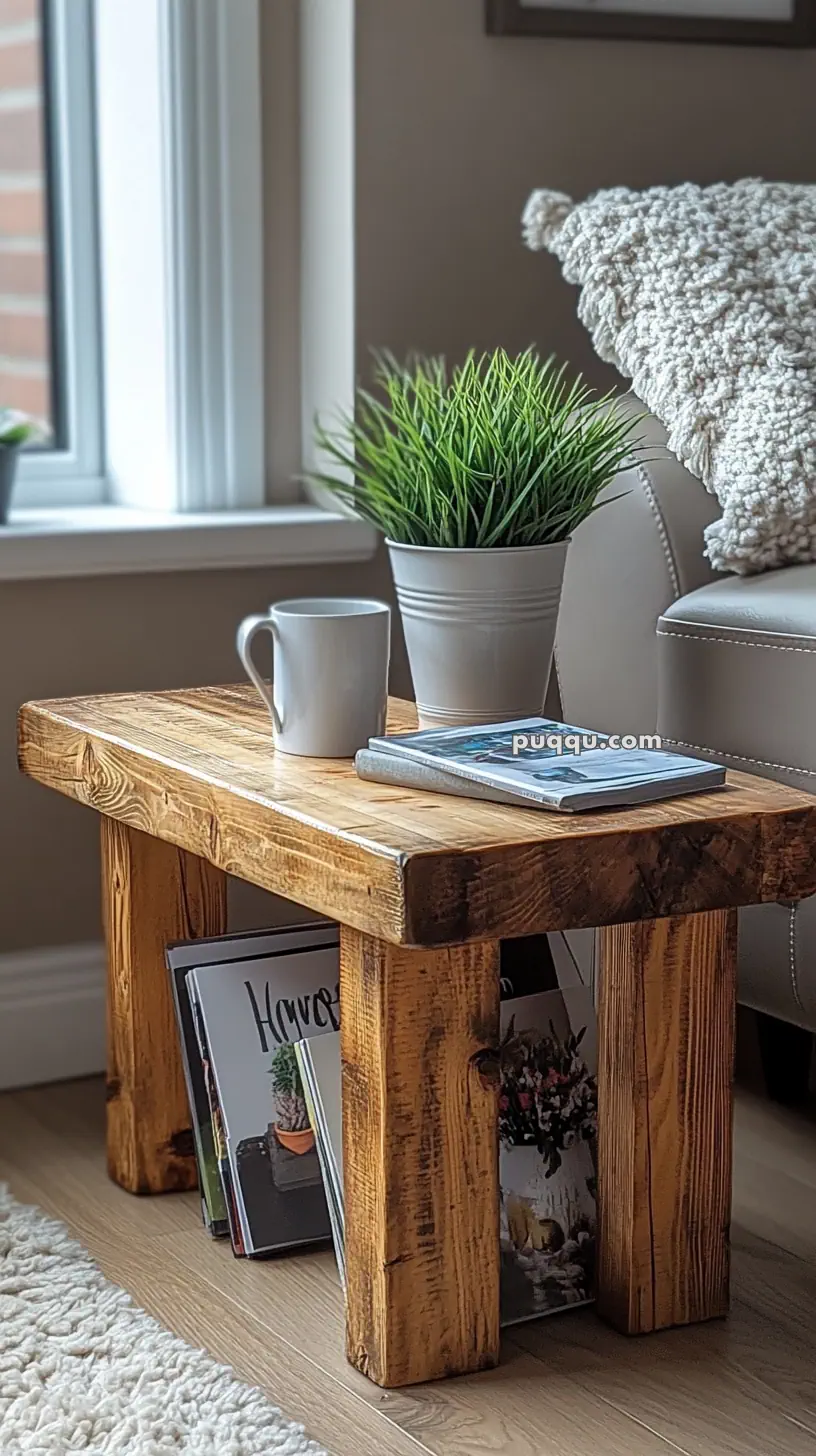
x,y
181,956
319,1064
217,1163
251,1012
548,1111
547,1124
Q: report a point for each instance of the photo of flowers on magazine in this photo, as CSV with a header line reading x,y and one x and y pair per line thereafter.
x,y
548,1115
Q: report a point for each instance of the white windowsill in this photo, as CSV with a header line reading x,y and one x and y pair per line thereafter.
x,y
106,540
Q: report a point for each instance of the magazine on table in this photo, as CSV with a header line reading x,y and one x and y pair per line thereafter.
x,y
248,1012
534,762
547,1125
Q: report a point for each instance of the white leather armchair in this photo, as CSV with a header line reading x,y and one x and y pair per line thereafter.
x,y
650,638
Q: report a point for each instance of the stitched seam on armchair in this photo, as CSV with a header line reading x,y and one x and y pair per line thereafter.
x,y
742,757
654,506
734,641
794,978
557,677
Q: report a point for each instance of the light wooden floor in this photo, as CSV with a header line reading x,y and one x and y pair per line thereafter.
x,y
567,1386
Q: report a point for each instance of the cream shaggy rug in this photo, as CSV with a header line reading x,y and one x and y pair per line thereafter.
x,y
82,1368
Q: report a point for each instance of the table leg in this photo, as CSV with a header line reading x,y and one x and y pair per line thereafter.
x,y
665,1066
420,1153
152,893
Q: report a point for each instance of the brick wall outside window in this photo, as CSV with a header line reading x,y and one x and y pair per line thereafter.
x,y
24,300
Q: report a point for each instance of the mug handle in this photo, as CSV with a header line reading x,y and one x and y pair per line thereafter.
x,y
247,632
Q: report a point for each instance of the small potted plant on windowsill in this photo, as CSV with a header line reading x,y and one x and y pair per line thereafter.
x,y
477,476
16,431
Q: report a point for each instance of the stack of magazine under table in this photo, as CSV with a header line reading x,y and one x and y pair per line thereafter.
x,y
259,1019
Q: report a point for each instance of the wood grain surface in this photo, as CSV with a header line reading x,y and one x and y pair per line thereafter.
x,y
420,1158
197,768
152,893
665,1066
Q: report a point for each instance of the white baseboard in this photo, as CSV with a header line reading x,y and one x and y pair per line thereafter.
x,y
52,1014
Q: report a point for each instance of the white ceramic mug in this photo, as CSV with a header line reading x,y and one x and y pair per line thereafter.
x,y
329,675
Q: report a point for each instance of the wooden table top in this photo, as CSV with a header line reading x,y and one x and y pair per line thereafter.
x,y
198,768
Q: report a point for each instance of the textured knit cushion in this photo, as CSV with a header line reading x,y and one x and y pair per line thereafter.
x,y
705,297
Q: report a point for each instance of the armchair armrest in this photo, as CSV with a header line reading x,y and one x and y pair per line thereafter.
x,y
626,565
737,672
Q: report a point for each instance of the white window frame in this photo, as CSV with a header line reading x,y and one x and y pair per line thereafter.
x,y
327,145
72,475
179,136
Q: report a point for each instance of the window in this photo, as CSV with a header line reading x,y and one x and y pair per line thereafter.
x,y
131,239
131,153
49,334
178,104
25,305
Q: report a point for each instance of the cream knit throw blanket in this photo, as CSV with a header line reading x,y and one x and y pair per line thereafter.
x,y
705,297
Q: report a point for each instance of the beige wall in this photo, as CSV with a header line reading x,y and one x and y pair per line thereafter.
x,y
456,127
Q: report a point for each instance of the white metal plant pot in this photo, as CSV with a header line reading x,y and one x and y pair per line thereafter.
x,y
479,628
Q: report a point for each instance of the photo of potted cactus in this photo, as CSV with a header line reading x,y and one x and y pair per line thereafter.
x,y
477,475
291,1126
17,430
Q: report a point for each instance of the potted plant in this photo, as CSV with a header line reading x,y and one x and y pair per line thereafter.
x,y
291,1126
16,431
477,476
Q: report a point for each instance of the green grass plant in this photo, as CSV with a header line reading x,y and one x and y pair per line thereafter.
x,y
499,451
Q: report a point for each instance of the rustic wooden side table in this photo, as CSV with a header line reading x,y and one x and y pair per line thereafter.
x,y
424,886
